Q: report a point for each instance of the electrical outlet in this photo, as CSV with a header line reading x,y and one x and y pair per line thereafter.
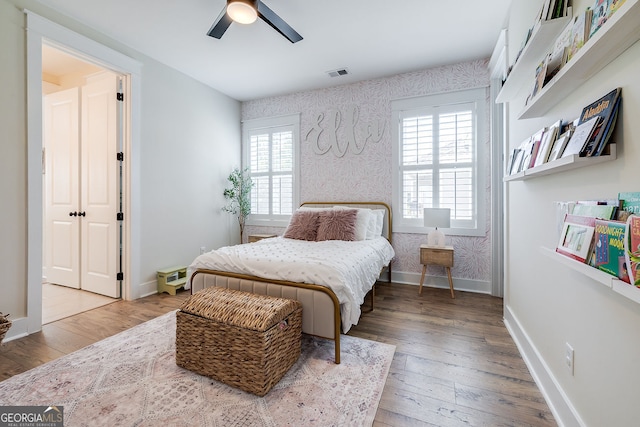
x,y
202,250
568,357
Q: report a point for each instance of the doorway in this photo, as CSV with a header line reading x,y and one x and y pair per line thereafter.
x,y
82,186
41,31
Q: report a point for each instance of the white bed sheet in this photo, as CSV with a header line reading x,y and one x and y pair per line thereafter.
x,y
349,268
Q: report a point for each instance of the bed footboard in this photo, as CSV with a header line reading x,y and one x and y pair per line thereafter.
x,y
320,306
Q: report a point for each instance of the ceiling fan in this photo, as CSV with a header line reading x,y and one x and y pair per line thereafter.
x,y
246,12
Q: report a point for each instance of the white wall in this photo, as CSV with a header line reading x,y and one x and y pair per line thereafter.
x,y
547,304
189,137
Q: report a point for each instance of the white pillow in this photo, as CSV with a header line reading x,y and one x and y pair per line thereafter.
x,y
363,220
378,214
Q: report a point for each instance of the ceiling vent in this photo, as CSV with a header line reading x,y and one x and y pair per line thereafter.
x,y
338,73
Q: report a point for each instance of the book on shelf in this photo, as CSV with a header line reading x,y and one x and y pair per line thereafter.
x,y
581,136
580,32
548,139
594,210
559,146
560,52
532,149
512,159
608,250
632,249
629,204
576,238
614,5
606,108
599,16
608,130
541,74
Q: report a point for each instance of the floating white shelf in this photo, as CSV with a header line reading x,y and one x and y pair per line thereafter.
x,y
522,74
563,164
619,33
609,281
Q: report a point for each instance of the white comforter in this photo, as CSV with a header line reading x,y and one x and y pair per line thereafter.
x,y
349,268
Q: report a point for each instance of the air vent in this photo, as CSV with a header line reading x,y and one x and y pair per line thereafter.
x,y
338,73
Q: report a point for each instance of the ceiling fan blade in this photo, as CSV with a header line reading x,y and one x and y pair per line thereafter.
x,y
220,25
277,23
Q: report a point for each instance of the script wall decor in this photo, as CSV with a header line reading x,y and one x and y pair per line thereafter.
x,y
340,132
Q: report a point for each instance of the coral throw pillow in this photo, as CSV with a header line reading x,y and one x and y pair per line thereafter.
x,y
337,224
303,226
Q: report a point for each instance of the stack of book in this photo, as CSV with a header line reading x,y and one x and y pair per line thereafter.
x,y
604,234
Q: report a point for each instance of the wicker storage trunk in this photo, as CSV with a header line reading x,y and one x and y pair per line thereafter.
x,y
244,340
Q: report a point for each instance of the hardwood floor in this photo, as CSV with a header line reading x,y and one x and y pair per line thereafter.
x,y
455,364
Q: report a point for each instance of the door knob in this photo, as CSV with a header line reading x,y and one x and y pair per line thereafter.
x,y
73,213
83,213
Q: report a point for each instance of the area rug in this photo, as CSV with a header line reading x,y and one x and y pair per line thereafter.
x,y
131,379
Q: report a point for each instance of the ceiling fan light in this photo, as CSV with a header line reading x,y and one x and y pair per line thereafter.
x,y
242,11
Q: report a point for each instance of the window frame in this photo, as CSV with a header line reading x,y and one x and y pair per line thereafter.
x,y
447,101
272,124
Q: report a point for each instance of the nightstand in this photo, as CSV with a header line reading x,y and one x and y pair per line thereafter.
x,y
436,256
256,237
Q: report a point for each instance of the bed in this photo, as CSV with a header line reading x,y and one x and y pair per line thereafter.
x,y
330,276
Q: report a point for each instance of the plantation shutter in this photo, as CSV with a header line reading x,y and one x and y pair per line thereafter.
x,y
438,161
271,166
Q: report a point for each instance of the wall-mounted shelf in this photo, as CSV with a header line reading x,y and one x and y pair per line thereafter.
x,y
522,74
611,282
619,33
563,164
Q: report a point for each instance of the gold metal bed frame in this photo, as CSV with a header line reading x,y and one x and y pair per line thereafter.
x,y
321,308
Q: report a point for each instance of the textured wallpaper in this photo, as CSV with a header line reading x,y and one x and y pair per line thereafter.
x,y
356,164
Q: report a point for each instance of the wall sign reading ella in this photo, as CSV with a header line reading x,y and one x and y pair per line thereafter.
x,y
329,133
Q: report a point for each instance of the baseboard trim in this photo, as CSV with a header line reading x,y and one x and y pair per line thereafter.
x,y
559,403
147,288
19,328
469,285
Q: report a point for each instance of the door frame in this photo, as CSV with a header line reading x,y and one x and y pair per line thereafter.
x,y
42,31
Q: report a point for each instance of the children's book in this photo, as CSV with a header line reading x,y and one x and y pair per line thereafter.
x,y
629,204
605,108
614,5
548,139
600,9
632,249
608,250
576,239
581,136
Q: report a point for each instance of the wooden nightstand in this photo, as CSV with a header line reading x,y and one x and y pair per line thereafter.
x,y
436,256
256,237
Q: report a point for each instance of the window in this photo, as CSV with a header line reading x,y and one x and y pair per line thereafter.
x,y
271,156
437,160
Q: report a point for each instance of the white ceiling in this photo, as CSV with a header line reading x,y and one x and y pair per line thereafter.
x,y
371,38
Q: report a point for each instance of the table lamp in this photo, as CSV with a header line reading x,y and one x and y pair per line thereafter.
x,y
437,217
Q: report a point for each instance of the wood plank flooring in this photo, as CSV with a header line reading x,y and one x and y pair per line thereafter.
x,y
455,363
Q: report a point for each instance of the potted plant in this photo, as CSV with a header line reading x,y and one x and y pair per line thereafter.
x,y
239,196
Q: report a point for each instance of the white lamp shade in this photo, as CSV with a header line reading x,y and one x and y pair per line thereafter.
x,y
242,12
437,217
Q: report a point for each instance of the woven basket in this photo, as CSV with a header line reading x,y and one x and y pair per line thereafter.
x,y
244,340
5,324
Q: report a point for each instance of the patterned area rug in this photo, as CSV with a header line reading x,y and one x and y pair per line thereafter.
x,y
132,379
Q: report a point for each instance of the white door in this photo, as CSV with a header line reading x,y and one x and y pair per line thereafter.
x,y
100,189
62,226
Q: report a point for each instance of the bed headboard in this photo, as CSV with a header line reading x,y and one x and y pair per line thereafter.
x,y
387,230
